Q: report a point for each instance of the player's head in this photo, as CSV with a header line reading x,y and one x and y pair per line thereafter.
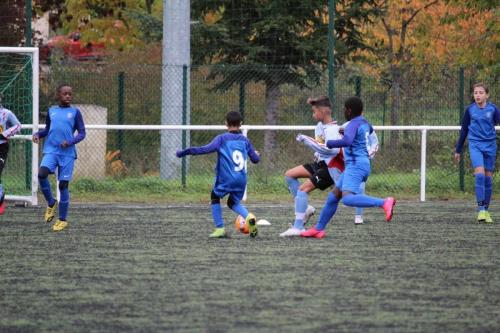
x,y
233,119
481,93
64,94
353,107
320,107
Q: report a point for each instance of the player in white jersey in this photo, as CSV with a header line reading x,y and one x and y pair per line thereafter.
x,y
9,126
323,172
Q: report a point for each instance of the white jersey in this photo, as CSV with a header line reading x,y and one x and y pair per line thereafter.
x,y
323,133
9,125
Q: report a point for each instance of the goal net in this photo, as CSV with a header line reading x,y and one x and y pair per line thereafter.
x,y
19,91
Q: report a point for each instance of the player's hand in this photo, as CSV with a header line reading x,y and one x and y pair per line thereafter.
x,y
300,138
457,157
179,153
257,153
35,138
64,144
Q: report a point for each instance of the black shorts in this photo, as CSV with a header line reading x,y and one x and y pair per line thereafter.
x,y
320,176
4,151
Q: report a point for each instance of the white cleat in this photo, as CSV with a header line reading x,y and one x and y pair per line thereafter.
x,y
291,232
309,213
358,219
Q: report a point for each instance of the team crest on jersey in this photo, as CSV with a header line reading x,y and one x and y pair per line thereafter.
x,y
320,139
488,114
70,115
1,129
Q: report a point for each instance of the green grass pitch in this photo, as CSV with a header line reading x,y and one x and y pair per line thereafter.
x,y
126,268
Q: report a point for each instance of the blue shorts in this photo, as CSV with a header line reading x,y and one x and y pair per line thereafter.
x,y
483,155
64,165
352,178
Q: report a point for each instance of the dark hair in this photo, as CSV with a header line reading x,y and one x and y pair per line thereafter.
x,y
321,101
59,87
233,118
355,104
482,85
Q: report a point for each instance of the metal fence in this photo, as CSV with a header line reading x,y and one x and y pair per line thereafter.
x,y
122,160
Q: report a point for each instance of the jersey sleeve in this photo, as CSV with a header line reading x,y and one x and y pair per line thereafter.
x,y
496,116
463,131
373,145
43,133
254,157
14,125
347,139
207,149
80,128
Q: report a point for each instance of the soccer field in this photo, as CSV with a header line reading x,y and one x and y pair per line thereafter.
x,y
151,269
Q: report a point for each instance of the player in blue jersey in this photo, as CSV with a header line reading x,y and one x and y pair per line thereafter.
x,y
59,152
478,125
230,172
357,169
9,126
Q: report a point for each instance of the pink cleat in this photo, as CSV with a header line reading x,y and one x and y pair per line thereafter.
x,y
2,208
388,208
313,232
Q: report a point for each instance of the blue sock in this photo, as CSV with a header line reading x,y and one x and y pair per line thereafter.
x,y
359,210
293,185
47,192
239,209
361,200
217,215
64,204
328,211
488,189
300,209
480,189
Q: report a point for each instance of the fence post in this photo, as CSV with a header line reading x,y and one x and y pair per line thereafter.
x,y
383,118
423,158
331,47
184,121
357,86
461,106
121,109
242,100
28,36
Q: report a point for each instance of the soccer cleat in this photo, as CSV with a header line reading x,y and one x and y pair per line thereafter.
x,y
291,232
488,218
59,225
50,213
481,216
309,213
2,208
218,233
388,208
358,219
252,225
313,232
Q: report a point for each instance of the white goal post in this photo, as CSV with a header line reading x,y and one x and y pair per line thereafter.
x,y
34,54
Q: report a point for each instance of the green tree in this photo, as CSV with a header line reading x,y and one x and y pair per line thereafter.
x,y
12,22
274,42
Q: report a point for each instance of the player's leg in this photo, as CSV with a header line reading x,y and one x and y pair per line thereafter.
x,y
328,211
358,217
219,231
234,203
489,166
4,151
477,160
292,177
353,177
65,173
47,166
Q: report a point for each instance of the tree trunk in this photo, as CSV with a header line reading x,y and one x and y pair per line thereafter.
x,y
273,94
395,103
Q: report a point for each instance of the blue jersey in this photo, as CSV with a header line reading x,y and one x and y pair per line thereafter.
x,y
62,122
232,149
9,125
355,141
478,125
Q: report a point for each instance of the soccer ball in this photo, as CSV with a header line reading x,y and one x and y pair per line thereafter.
x,y
241,225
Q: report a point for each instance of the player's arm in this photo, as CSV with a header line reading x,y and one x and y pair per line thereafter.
x,y
210,148
80,128
316,146
43,133
373,144
347,139
463,134
496,116
14,128
252,153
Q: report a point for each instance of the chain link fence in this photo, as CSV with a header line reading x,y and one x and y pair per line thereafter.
x,y
124,160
